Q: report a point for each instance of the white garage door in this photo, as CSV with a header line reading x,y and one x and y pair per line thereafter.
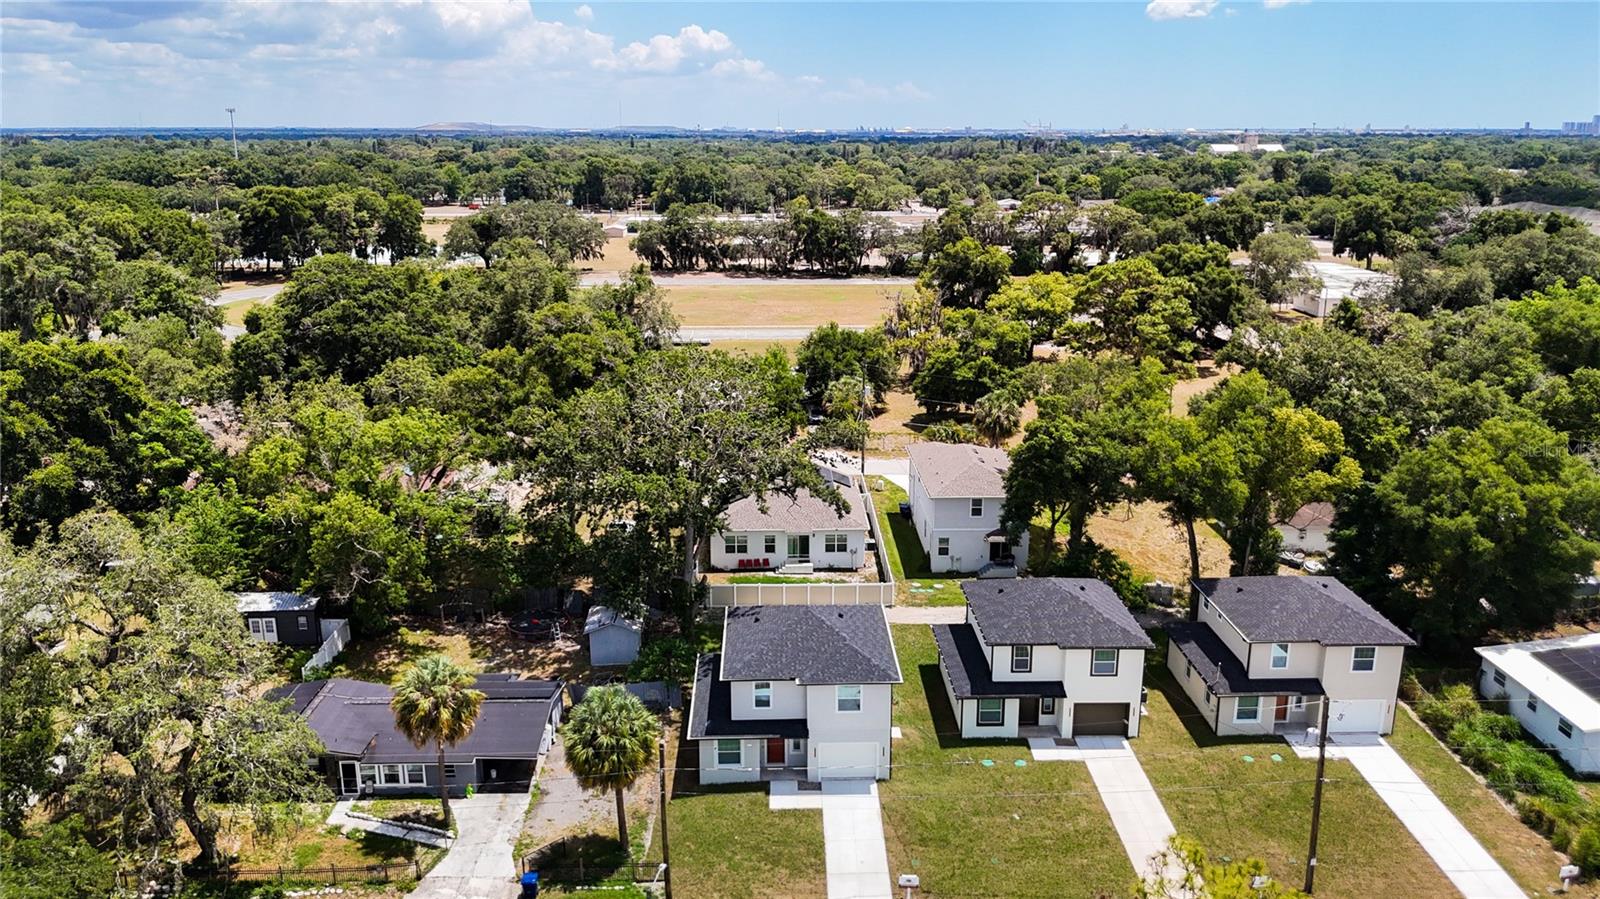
x,y
837,760
1355,716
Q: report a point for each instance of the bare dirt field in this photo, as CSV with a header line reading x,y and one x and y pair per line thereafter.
x,y
435,230
1209,377
811,303
1156,547
615,257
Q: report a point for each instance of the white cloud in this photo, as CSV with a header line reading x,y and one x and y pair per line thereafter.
x,y
584,12
749,69
1280,4
665,53
1179,9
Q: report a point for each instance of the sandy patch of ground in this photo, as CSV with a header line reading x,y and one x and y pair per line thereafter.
x,y
1156,547
809,303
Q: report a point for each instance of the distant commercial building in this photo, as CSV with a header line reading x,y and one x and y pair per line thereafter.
x,y
1248,143
1590,127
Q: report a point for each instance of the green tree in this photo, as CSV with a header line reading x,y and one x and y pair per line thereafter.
x,y
1136,311
54,860
996,416
1364,228
400,228
831,352
966,273
609,738
435,704
1278,269
275,223
1044,302
1194,475
1566,324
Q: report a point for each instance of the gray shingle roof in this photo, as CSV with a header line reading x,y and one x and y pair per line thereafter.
x,y
809,644
1068,612
1222,671
959,469
274,602
1293,609
970,677
352,718
711,709
803,514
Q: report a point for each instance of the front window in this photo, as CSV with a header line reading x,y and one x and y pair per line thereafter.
x,y
763,694
730,754
991,712
977,508
847,697
449,772
735,546
769,544
391,774
1364,658
1047,705
1104,663
1248,709
944,546
835,543
1280,655
1021,659
369,775
414,775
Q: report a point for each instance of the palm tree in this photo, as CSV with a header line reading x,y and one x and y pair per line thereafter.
x,y
434,703
996,417
609,737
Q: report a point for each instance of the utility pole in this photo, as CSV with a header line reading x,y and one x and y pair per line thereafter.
x,y
1316,800
234,132
666,853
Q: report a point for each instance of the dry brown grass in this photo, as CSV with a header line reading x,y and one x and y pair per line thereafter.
x,y
1209,376
614,257
479,647
1145,539
758,305
234,313
754,347
434,229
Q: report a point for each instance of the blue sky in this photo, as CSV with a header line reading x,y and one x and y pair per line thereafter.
x,y
1162,64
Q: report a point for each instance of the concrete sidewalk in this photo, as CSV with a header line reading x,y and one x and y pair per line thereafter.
x,y
1136,811
926,614
852,834
1457,853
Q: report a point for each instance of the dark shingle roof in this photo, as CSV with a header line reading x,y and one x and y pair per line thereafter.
x,y
1223,672
968,668
1293,609
711,709
352,718
809,644
1068,612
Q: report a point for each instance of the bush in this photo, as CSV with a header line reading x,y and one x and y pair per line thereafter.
x,y
1091,560
1448,707
669,659
1585,849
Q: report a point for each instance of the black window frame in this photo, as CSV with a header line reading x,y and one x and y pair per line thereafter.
x,y
1028,651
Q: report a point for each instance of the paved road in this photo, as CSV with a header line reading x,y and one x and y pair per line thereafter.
x,y
480,864
1136,811
247,292
852,835
1456,851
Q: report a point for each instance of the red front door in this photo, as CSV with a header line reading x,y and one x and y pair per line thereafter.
x,y
1282,713
775,751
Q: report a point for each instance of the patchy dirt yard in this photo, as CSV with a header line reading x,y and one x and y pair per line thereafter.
x,y
1156,547
481,647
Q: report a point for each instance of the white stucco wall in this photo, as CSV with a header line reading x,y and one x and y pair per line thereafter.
x,y
828,725
748,770
1305,660
1380,685
854,555
953,518
788,700
1313,540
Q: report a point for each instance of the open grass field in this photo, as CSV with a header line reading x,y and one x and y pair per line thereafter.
x,y
914,584
727,843
1262,809
1525,855
754,347
774,305
614,257
973,830
234,313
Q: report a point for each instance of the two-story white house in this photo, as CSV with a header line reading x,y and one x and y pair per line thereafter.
x,y
1043,657
800,692
804,530
1265,651
957,490
1552,687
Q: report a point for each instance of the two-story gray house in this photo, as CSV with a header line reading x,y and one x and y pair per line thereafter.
x,y
1043,657
956,492
1266,650
797,692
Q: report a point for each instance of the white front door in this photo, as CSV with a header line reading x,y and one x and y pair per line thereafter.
x,y
269,629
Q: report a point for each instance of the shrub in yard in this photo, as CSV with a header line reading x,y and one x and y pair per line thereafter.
x,y
1443,710
1092,560
1585,849
1411,689
669,659
1526,769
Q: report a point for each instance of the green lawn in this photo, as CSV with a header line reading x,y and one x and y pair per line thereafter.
x,y
973,830
727,843
915,585
1262,809
426,812
783,579
1525,855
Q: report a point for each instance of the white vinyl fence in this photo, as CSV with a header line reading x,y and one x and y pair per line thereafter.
x,y
724,595
335,634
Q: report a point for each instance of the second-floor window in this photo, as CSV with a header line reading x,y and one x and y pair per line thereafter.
x,y
1364,658
977,508
735,546
848,697
1021,659
1104,663
1280,655
763,694
835,543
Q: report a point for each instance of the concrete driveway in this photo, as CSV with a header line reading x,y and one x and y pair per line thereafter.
x,y
852,835
1136,811
480,864
1455,850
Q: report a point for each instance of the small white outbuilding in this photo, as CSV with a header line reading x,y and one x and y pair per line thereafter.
x,y
613,639
1553,688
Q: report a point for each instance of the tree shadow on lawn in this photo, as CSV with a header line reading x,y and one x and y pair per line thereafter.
x,y
946,729
1193,718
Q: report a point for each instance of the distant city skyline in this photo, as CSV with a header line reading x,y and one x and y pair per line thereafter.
x,y
1161,65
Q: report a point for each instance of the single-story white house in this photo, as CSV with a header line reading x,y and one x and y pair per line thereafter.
x,y
805,530
1309,529
1553,688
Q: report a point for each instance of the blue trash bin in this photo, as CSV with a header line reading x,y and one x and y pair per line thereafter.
x,y
530,885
